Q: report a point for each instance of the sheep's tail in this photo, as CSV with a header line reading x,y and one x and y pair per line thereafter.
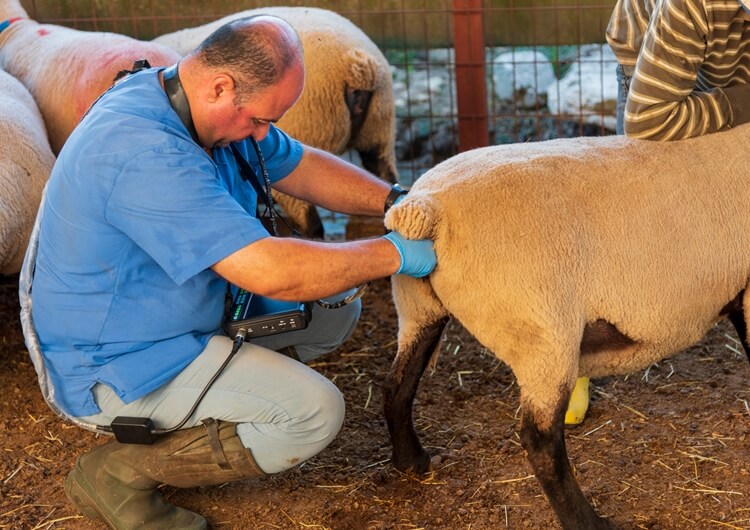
x,y
414,218
364,72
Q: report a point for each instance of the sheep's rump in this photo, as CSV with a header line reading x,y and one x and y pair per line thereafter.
x,y
648,237
66,70
25,165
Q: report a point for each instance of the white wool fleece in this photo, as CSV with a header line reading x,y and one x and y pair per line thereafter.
x,y
25,164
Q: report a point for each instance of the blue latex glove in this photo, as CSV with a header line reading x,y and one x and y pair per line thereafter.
x,y
418,258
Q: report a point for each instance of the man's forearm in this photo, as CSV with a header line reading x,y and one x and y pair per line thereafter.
x,y
296,269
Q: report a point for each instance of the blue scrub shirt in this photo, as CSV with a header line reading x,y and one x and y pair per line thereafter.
x,y
135,215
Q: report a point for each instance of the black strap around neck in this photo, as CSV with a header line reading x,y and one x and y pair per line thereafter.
x,y
179,102
248,174
177,98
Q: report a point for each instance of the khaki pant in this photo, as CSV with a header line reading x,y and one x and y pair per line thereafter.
x,y
286,411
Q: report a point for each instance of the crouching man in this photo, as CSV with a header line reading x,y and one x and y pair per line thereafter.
x,y
146,221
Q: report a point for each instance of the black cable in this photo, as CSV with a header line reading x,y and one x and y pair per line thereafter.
x,y
239,339
142,431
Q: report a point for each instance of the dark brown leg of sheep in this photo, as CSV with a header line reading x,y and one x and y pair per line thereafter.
x,y
358,103
302,216
734,310
549,459
398,397
738,319
373,162
312,223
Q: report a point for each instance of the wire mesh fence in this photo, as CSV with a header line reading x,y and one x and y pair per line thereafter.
x,y
544,70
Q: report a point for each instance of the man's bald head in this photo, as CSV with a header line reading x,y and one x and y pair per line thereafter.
x,y
256,50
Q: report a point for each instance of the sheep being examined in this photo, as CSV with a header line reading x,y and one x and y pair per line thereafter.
x,y
347,102
25,164
585,256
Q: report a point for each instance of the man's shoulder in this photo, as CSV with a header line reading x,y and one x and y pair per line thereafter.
x,y
132,117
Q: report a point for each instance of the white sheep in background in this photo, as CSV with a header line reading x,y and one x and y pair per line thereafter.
x,y
588,256
347,102
25,164
66,69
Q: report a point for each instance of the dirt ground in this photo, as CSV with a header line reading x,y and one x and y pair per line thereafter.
x,y
661,449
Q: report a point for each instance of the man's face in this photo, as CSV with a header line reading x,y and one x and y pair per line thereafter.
x,y
231,122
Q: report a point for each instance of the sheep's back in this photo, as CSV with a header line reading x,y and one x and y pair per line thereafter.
x,y
645,235
66,70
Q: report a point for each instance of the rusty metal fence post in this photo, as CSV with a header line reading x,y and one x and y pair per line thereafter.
x,y
471,79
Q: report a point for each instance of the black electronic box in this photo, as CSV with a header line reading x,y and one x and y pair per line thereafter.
x,y
260,316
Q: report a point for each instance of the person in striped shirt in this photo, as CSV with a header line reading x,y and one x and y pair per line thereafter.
x,y
683,70
683,66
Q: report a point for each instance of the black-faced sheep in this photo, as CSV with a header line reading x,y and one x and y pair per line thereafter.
x,y
347,102
588,256
66,69
25,164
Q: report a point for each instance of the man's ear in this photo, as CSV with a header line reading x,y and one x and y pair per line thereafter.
x,y
222,85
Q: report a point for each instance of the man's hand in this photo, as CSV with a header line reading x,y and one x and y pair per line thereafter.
x,y
418,257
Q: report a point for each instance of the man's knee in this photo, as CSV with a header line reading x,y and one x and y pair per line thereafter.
x,y
333,335
323,416
310,424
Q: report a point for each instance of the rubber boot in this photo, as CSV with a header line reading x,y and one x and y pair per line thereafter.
x,y
579,402
117,482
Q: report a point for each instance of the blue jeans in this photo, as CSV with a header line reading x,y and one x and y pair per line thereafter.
x,y
624,75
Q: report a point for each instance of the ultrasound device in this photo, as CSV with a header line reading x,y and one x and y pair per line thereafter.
x,y
260,316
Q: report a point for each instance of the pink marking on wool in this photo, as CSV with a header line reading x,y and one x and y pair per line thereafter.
x,y
14,19
42,32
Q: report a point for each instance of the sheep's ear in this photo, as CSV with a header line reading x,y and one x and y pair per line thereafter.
x,y
413,218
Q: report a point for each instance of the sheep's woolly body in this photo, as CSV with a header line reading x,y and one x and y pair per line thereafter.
x,y
590,255
537,240
66,69
25,164
338,55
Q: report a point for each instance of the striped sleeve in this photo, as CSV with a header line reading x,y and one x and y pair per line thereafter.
x,y
666,100
626,28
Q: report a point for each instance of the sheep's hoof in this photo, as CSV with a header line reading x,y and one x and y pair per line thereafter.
x,y
610,525
602,523
418,462
591,523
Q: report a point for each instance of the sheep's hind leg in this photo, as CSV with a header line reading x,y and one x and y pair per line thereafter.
x,y
399,389
301,214
549,458
376,162
738,320
736,313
